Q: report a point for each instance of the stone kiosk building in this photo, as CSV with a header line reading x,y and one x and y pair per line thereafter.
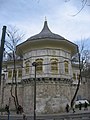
x,y
56,77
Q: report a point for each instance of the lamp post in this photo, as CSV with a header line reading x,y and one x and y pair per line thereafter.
x,y
35,65
2,49
2,89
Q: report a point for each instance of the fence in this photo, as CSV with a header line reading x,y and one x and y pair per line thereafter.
x,y
64,116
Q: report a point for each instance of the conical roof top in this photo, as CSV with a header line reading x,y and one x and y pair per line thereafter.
x,y
46,33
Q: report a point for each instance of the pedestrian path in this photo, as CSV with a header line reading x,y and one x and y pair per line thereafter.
x,y
80,111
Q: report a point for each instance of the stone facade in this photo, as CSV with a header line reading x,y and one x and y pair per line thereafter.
x,y
51,97
55,85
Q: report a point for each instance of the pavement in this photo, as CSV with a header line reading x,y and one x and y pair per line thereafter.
x,y
81,111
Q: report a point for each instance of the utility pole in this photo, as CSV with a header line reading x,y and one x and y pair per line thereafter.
x,y
35,65
2,49
2,90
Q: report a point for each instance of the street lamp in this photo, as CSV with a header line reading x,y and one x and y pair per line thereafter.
x,y
35,65
2,49
2,89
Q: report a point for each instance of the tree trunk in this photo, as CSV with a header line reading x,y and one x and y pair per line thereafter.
x,y
13,96
78,85
15,77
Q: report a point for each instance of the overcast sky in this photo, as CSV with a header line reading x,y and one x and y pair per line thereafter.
x,y
29,17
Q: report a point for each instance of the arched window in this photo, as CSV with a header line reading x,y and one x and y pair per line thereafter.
x,y
19,72
27,67
54,65
14,73
74,76
78,76
9,74
66,66
39,67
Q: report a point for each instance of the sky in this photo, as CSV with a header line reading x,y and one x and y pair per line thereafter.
x,y
29,17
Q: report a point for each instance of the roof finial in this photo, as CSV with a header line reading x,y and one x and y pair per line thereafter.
x,y
45,18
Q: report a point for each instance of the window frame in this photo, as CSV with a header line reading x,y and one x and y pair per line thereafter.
x,y
66,67
74,76
39,67
9,76
27,65
20,73
54,65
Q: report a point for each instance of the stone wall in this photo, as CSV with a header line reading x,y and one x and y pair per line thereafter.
x,y
51,97
8,99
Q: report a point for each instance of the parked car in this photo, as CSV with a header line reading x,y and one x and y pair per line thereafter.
x,y
77,102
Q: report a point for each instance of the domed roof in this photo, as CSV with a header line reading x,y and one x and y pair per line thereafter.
x,y
46,33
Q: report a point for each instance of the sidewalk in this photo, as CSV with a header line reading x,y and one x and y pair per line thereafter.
x,y
80,111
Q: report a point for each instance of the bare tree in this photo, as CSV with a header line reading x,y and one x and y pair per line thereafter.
x,y
84,53
83,4
78,85
82,56
14,37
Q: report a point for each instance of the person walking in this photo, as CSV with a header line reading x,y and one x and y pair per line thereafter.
x,y
80,105
85,106
8,111
73,108
24,116
7,108
67,108
20,109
